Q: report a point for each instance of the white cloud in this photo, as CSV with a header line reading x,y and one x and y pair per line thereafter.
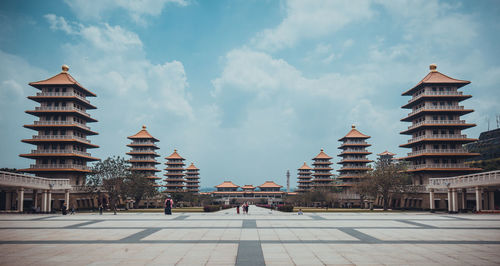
x,y
137,9
311,20
59,23
112,59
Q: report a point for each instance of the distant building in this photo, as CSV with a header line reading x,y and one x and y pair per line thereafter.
x,y
192,179
175,173
322,171
304,179
143,154
354,161
269,191
386,156
488,146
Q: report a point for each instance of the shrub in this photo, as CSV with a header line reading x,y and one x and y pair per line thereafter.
x,y
285,208
211,208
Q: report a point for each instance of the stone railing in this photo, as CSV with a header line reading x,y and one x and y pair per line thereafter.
x,y
435,93
59,166
60,152
450,165
437,151
491,178
60,137
61,123
62,108
35,182
436,107
66,94
437,122
439,136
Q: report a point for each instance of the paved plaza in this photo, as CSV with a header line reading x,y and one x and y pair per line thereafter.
x,y
262,237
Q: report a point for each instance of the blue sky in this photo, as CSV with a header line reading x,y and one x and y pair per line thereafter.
x,y
245,89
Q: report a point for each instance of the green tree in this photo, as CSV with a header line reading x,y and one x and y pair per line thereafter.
x,y
109,175
386,180
138,187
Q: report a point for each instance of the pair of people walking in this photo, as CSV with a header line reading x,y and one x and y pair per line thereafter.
x,y
244,208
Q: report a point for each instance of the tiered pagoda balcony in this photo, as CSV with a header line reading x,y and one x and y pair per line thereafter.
x,y
458,124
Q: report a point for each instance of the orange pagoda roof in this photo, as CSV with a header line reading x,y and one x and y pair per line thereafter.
x,y
354,134
248,187
435,77
174,155
386,153
143,134
322,155
63,78
227,184
192,167
305,167
270,184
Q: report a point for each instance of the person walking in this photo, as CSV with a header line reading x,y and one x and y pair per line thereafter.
x,y
100,209
64,209
238,209
72,212
168,206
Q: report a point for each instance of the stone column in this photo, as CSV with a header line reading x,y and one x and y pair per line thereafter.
x,y
44,201
431,200
66,198
49,201
464,198
479,198
450,201
491,200
35,200
8,200
20,200
454,199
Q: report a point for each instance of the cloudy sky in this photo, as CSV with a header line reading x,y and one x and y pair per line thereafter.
x,y
245,89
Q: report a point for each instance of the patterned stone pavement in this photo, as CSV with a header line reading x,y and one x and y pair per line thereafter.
x,y
262,237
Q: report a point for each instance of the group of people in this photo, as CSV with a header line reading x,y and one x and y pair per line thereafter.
x,y
64,210
244,208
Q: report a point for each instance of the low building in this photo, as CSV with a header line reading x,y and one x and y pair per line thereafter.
x,y
270,192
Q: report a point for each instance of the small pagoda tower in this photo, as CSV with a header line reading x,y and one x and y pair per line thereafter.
x,y
143,154
192,179
175,173
304,178
436,129
354,159
322,171
61,139
386,156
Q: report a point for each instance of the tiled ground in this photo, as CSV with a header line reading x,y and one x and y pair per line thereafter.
x,y
263,237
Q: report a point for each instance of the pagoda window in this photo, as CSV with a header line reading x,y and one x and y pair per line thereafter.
x,y
434,103
453,160
44,161
443,132
451,131
47,132
435,117
62,161
441,89
434,89
50,90
450,117
436,147
63,104
436,161
443,146
63,89
435,131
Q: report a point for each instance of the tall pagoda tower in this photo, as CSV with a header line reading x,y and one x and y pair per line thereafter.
x,y
175,173
61,139
143,154
192,179
354,159
322,171
436,130
304,178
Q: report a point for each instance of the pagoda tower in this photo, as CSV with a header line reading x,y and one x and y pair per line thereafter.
x,y
322,171
175,173
61,139
143,154
304,178
436,131
386,156
192,179
354,159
